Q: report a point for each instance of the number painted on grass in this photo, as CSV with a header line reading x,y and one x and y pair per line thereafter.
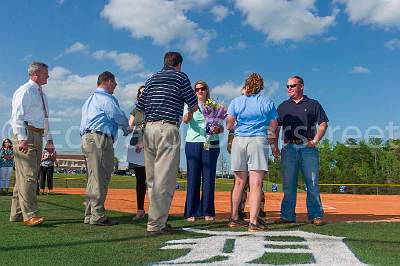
x,y
245,248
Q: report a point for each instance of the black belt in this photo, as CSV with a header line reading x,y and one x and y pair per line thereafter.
x,y
99,133
296,141
163,121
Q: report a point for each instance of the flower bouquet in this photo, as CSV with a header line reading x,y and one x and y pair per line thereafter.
x,y
214,113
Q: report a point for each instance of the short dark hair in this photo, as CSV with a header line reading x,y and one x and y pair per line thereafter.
x,y
105,76
138,92
172,59
300,79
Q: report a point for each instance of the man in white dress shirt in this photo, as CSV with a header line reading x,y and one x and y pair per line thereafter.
x,y
29,121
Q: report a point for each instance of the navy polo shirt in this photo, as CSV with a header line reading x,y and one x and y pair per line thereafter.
x,y
165,94
299,120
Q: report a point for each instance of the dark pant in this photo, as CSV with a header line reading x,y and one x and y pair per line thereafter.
x,y
200,163
140,173
46,171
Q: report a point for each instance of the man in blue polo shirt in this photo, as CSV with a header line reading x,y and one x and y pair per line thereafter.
x,y
299,116
162,103
101,118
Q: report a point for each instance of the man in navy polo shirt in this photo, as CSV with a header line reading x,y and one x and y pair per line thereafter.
x,y
299,116
162,102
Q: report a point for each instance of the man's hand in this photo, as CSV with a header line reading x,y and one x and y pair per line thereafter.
x,y
311,143
50,146
23,146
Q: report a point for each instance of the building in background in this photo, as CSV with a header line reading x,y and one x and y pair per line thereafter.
x,y
70,162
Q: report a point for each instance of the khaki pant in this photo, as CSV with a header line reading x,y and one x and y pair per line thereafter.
x,y
99,153
24,200
161,156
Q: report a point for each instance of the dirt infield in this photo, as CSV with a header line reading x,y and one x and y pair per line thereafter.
x,y
338,207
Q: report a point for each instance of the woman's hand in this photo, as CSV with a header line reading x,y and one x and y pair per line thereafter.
x,y
187,117
138,148
217,129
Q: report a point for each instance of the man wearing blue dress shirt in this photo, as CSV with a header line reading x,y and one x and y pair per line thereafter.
x,y
101,118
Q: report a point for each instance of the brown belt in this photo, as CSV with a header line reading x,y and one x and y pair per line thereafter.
x,y
35,129
164,122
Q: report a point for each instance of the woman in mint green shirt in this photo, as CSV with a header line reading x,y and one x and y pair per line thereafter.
x,y
201,163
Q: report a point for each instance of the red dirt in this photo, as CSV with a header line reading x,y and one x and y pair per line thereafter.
x,y
337,207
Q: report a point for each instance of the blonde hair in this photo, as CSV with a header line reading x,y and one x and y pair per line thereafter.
x,y
203,83
253,84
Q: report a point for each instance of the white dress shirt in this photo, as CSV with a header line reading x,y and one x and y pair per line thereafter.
x,y
27,106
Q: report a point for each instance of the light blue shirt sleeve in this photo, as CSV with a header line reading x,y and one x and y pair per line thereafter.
x,y
231,109
115,114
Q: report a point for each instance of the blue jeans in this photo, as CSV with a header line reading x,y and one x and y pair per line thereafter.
x,y
294,158
200,163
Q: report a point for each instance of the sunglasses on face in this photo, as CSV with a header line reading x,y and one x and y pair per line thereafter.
x,y
291,86
201,89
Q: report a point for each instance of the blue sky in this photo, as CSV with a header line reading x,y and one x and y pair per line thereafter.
x,y
348,52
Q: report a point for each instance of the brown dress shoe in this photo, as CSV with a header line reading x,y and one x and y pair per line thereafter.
x,y
317,221
34,221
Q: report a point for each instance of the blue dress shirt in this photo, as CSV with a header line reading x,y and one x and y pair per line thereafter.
x,y
101,112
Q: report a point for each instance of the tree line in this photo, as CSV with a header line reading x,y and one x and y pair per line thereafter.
x,y
374,161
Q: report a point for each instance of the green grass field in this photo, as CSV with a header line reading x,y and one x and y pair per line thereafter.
x,y
65,240
117,181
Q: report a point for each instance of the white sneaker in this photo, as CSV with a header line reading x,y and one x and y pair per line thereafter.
x,y
190,219
209,218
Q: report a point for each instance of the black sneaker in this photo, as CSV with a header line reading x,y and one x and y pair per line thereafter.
x,y
106,222
261,221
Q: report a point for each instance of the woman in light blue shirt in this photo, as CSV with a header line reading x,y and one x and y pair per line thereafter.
x,y
252,113
201,163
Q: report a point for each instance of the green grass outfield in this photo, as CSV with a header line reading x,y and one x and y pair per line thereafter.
x,y
65,240
117,181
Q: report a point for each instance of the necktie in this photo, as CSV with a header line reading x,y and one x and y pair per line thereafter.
x,y
46,115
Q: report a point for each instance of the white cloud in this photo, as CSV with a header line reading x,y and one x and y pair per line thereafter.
x,y
329,39
360,70
283,20
383,13
70,112
60,2
219,12
126,61
126,94
65,85
76,47
163,21
393,44
4,101
228,90
238,46
271,87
